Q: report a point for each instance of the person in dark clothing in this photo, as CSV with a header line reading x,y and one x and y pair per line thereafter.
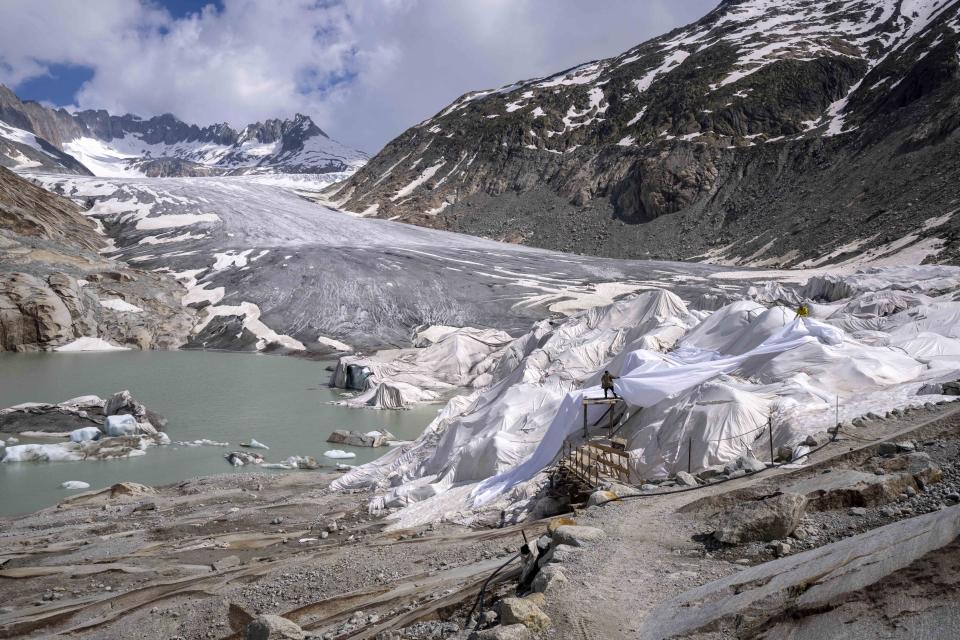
x,y
606,381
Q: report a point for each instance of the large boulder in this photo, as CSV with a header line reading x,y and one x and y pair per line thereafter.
x,y
523,611
270,627
761,520
577,536
377,438
124,403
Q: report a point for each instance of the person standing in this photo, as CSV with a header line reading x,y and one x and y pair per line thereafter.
x,y
606,382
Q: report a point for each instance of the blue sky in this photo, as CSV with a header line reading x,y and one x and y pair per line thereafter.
x,y
365,70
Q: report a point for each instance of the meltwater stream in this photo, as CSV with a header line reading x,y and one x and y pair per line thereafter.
x,y
226,397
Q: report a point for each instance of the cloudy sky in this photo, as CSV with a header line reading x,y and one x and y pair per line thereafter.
x,y
365,70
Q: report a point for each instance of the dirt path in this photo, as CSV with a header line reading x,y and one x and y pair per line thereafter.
x,y
650,553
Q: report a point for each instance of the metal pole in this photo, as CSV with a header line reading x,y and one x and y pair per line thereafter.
x,y
770,425
584,419
690,455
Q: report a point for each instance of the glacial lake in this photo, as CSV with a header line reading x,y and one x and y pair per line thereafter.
x,y
283,402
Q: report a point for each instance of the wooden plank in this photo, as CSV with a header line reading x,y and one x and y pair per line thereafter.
x,y
609,449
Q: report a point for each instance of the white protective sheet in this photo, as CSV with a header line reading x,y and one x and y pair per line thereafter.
x,y
652,378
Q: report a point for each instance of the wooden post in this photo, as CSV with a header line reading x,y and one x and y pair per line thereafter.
x,y
690,455
770,426
584,419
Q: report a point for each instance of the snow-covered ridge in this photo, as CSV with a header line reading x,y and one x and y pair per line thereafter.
x,y
114,146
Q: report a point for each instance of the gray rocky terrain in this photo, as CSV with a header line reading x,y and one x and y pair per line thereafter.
x,y
57,288
766,133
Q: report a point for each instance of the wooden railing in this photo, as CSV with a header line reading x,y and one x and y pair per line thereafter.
x,y
595,461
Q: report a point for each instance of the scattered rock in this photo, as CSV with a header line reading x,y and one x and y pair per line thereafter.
x,y
887,449
559,522
817,439
562,553
858,511
951,388
761,520
687,480
270,627
241,458
549,506
601,497
577,536
523,611
710,472
549,578
504,632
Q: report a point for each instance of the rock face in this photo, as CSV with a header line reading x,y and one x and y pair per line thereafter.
x,y
761,520
864,579
56,288
737,137
881,482
32,136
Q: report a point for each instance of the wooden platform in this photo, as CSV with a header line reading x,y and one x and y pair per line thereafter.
x,y
601,457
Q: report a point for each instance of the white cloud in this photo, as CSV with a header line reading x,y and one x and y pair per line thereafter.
x,y
364,69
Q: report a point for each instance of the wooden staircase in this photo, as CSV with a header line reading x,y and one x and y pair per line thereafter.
x,y
598,458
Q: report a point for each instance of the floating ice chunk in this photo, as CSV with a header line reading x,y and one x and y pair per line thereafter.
x,y
203,442
85,434
75,484
254,444
339,454
43,453
122,425
276,465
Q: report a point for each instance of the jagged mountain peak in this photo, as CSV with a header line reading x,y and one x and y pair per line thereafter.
x,y
94,141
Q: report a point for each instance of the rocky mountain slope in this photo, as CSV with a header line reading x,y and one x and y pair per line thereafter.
x,y
57,291
770,132
95,142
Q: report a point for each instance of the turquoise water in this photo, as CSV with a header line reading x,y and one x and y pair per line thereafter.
x,y
226,397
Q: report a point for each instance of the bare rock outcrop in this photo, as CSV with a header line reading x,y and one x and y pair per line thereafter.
x,y
768,519
863,577
55,287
